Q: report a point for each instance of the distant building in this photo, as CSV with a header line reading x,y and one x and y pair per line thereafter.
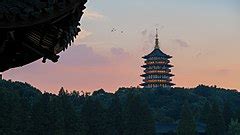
x,y
170,129
157,69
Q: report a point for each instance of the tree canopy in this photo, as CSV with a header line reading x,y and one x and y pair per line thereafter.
x,y
26,110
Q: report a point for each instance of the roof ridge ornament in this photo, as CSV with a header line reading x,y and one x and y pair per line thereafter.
x,y
156,40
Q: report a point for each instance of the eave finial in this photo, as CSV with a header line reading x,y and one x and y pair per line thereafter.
x,y
156,40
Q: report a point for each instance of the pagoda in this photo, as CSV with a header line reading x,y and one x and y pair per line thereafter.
x,y
157,73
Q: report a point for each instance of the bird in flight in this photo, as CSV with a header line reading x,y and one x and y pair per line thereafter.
x,y
113,30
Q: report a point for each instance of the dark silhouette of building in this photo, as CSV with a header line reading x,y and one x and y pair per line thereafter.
x,y
35,29
157,69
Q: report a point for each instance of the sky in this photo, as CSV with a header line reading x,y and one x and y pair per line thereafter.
x,y
203,36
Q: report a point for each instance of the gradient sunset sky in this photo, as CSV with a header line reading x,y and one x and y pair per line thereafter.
x,y
203,36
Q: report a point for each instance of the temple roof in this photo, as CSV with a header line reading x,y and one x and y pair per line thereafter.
x,y
157,53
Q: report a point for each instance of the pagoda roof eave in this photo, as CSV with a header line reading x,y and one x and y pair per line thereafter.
x,y
156,53
157,64
146,57
144,84
167,74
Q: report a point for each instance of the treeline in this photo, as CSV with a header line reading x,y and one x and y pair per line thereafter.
x,y
129,111
25,111
218,122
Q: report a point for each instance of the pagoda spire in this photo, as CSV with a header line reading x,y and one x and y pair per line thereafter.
x,y
156,40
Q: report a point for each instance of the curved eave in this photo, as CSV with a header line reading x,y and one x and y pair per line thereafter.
x,y
144,84
157,53
167,70
170,75
160,60
157,64
29,33
164,79
147,56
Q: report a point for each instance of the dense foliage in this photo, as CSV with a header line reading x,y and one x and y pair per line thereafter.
x,y
234,128
129,111
215,122
187,124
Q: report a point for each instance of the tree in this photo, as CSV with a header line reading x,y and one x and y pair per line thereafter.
x,y
115,114
138,117
25,113
237,114
234,128
11,114
215,124
93,117
54,115
205,112
62,92
227,113
40,116
187,124
68,113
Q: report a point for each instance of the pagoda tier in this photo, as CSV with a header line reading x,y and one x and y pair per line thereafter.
x,y
157,73
157,85
152,65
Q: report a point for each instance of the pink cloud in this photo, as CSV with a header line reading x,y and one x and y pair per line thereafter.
x,y
82,56
119,52
80,68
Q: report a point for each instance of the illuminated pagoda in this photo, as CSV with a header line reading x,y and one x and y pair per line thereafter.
x,y
157,73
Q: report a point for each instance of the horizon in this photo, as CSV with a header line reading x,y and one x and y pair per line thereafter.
x,y
202,36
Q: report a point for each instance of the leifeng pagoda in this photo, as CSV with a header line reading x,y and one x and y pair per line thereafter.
x,y
157,73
